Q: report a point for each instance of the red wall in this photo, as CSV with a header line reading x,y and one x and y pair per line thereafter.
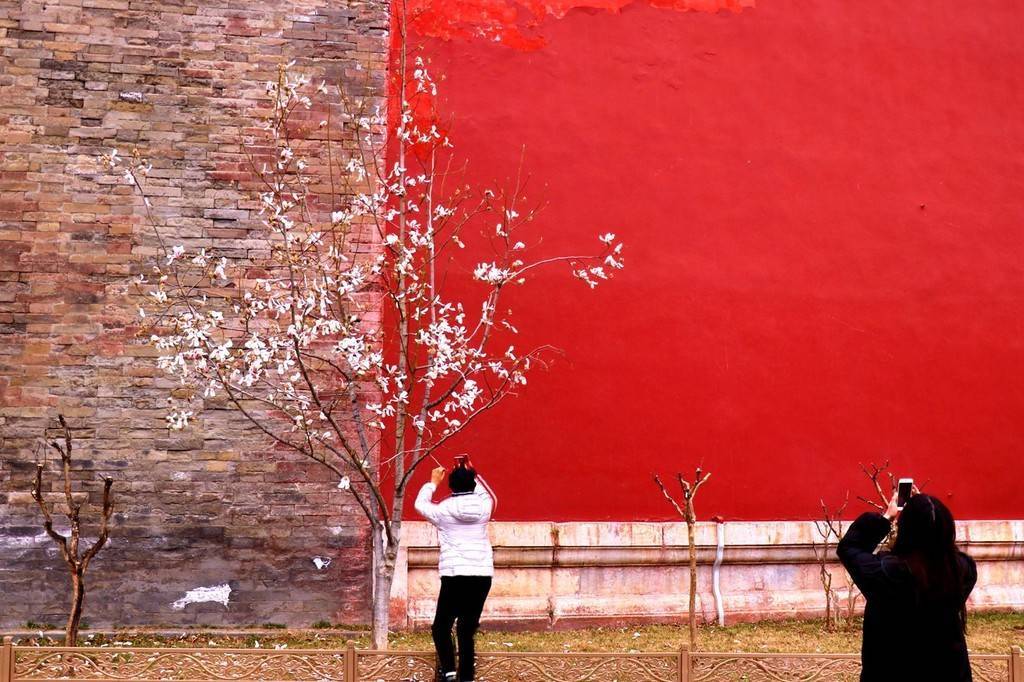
x,y
823,209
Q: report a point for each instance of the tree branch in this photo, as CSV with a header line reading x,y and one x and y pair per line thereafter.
x,y
37,495
664,491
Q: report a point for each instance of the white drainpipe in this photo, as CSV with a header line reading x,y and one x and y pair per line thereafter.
x,y
715,570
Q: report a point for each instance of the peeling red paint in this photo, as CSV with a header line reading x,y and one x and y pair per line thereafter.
x,y
506,22
514,24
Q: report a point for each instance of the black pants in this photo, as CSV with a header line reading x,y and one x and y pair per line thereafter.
x,y
460,603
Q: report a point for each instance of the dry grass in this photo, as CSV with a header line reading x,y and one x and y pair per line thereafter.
x,y
987,633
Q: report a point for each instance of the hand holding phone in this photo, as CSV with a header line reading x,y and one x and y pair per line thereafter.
x,y
904,490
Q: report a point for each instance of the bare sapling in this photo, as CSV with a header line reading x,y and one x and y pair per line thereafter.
x,y
684,507
70,545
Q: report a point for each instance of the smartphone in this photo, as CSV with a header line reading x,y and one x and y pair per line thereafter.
x,y
903,492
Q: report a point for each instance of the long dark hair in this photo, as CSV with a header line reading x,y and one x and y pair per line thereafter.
x,y
926,540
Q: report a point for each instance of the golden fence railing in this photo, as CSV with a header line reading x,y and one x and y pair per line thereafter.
x,y
42,664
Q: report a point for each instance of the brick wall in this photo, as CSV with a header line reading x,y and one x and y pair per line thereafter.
x,y
211,505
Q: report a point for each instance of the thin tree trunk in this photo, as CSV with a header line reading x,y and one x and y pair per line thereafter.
x,y
75,617
826,580
693,578
384,577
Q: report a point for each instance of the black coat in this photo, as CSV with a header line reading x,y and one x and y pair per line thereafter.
x,y
907,636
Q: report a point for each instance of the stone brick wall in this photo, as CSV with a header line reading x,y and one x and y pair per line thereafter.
x,y
211,506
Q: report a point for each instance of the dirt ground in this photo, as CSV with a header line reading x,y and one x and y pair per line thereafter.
x,y
986,633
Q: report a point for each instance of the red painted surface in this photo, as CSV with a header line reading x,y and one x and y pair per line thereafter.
x,y
823,208
514,24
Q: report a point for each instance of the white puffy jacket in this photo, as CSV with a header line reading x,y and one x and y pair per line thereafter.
x,y
461,522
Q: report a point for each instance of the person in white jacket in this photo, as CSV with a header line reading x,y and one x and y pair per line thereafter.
x,y
466,565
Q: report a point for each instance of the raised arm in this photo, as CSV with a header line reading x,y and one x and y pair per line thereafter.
x,y
485,490
425,498
872,573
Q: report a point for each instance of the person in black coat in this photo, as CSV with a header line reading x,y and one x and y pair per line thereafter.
x,y
915,616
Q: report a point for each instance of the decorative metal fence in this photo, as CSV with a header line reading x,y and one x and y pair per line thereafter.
x,y
39,664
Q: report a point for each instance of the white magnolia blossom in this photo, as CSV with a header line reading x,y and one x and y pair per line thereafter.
x,y
176,251
491,273
178,419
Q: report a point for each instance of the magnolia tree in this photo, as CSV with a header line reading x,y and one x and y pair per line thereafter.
x,y
360,359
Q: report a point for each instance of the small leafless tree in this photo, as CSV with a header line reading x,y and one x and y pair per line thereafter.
x,y
69,546
830,529
685,509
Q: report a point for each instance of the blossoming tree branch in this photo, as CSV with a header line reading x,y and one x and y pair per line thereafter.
x,y
345,349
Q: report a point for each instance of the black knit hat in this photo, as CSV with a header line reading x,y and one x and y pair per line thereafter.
x,y
462,479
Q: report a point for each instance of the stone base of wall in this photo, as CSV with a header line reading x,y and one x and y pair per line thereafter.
x,y
571,574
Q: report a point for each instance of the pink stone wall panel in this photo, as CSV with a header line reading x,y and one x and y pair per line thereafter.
x,y
637,572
